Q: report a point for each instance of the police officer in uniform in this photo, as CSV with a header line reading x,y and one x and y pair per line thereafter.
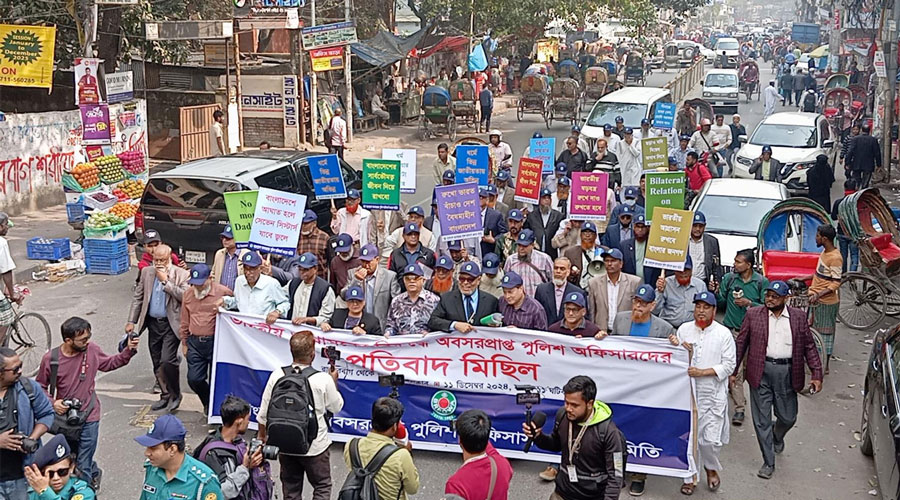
x,y
52,475
191,479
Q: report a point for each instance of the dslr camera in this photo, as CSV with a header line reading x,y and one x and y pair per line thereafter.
x,y
73,414
268,452
29,445
393,381
332,354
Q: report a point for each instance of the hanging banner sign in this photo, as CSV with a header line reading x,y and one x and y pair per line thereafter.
x,y
587,198
328,35
473,164
664,189
543,149
26,55
654,153
327,180
87,87
95,123
381,185
291,104
327,59
407,159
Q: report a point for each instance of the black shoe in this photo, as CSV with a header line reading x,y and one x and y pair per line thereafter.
x,y
174,404
159,405
738,418
766,471
779,447
636,489
95,481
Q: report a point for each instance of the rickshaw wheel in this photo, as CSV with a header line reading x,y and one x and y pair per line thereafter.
x,y
422,131
893,304
520,111
451,128
863,301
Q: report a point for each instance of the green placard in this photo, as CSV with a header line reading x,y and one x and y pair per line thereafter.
x,y
240,206
381,184
664,189
654,152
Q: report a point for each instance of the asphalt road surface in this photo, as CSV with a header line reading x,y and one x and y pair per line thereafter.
x,y
821,460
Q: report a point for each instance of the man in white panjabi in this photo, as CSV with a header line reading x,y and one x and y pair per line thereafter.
x,y
712,361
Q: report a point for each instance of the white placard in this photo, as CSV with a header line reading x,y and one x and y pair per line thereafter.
x,y
276,222
407,159
119,86
879,64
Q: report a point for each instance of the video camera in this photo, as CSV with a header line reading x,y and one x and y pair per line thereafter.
x,y
529,396
332,354
268,452
393,381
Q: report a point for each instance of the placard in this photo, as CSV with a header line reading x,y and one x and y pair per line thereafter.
x,y
667,245
277,218
543,149
95,123
587,198
473,165
528,180
664,114
241,207
654,153
407,159
327,59
381,185
87,87
119,86
26,55
459,211
664,189
327,179
328,35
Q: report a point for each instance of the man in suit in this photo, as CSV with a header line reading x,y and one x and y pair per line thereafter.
x,y
765,167
379,284
463,307
410,252
633,251
492,222
544,222
777,343
550,295
582,255
156,305
609,293
704,251
506,193
863,155
621,230
311,297
227,265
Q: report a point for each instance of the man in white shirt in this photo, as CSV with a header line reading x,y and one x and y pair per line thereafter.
x,y
426,237
723,134
7,315
338,130
443,163
314,464
258,294
645,132
611,293
378,109
629,153
217,134
612,140
352,219
312,298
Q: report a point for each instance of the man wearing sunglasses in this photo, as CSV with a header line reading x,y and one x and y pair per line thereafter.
x,y
52,475
25,410
462,308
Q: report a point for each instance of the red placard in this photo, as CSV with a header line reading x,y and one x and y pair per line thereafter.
x,y
528,181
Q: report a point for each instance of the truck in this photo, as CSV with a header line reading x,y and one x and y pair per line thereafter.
x,y
807,33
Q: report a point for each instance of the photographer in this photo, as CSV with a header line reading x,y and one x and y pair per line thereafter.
x,y
301,452
242,471
595,455
68,374
25,415
485,473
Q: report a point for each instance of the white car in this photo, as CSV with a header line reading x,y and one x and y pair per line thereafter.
x,y
721,89
727,53
709,55
796,139
733,210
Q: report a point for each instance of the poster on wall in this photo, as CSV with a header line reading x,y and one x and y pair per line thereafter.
x,y
26,55
95,123
87,87
119,86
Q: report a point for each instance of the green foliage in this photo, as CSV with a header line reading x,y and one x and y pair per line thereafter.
x,y
680,6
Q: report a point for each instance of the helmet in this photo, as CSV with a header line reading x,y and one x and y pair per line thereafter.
x,y
704,122
495,132
537,135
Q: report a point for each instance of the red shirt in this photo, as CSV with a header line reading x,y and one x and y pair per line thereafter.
x,y
473,480
697,176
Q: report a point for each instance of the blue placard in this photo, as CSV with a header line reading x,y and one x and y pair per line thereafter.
x,y
473,165
326,177
664,115
543,149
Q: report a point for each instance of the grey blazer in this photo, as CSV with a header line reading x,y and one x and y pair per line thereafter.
x,y
386,288
175,287
659,328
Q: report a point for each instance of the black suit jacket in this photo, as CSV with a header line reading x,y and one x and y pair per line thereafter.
x,y
369,321
864,153
711,258
493,222
629,264
398,261
450,308
546,296
543,234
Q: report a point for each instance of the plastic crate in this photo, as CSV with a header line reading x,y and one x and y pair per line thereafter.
x,y
58,249
96,204
75,212
106,265
105,248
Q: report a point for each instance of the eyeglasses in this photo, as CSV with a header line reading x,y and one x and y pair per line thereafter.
x,y
58,472
467,279
15,369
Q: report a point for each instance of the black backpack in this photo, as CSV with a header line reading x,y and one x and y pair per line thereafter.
x,y
809,102
291,422
360,482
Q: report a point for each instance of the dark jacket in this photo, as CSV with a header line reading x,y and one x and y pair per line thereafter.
x,y
611,237
819,179
736,131
493,222
595,462
369,322
864,153
450,308
316,296
543,234
712,260
545,294
397,262
629,264
574,162
775,167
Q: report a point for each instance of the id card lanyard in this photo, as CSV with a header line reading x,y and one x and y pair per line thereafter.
x,y
574,447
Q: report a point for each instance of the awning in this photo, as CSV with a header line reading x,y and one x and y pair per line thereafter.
x,y
385,48
447,43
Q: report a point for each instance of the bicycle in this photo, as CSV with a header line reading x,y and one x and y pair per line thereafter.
x,y
29,336
800,300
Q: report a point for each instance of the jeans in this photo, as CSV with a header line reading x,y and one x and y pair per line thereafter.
x,y
87,446
848,248
486,112
16,489
199,360
797,94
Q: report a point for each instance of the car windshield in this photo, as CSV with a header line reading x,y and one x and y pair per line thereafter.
x,y
788,136
721,80
606,112
734,214
727,45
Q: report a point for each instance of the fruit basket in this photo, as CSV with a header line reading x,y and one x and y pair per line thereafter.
x,y
99,201
133,162
48,248
110,167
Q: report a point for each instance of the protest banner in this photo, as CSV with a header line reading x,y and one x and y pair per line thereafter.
x,y
543,149
664,189
381,185
664,115
587,198
528,180
473,164
643,380
328,182
459,211
277,218
26,55
241,207
667,245
95,123
654,153
87,87
407,159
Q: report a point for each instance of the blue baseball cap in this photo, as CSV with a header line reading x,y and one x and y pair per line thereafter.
x,y
706,297
645,293
483,192
545,192
413,269
641,219
412,227
503,175
251,259
491,190
449,175
630,192
309,216
767,149
227,233
343,243
561,168
444,262
152,235
490,263
454,245
354,293
308,260
699,218
368,253
563,181
574,298
199,274
55,450
626,210
576,128
629,130
537,135
607,127
165,428
511,280
688,263
417,210
673,160
645,121
516,215
526,237
684,137
353,194
614,253
619,119
589,226
471,269
779,287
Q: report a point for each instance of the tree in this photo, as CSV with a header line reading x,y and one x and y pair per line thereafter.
x,y
680,7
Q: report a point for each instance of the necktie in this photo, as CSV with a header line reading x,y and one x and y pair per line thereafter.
x,y
470,308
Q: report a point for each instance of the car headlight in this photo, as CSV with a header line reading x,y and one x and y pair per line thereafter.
x,y
733,95
744,161
801,166
707,94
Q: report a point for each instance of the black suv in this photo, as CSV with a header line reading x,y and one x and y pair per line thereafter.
x,y
881,411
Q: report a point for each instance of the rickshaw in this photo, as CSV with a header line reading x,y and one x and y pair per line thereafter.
x,y
534,89
702,109
871,293
830,108
565,101
612,68
463,103
860,96
837,80
749,83
568,69
437,113
596,82
634,68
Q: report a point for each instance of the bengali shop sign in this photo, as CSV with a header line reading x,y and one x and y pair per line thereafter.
x,y
587,199
26,55
381,185
664,189
643,380
473,164
327,59
291,105
543,149
667,245
327,180
241,207
459,211
407,159
95,123
277,218
528,180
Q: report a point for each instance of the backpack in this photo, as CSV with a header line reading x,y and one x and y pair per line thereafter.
x,y
809,102
259,487
291,421
360,482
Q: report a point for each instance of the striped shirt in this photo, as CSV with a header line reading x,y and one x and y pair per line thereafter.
x,y
530,315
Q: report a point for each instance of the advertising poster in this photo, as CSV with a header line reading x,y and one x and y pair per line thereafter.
x,y
459,211
667,245
528,180
26,55
473,164
241,207
87,87
327,180
95,123
664,189
381,185
327,59
407,159
587,198
277,218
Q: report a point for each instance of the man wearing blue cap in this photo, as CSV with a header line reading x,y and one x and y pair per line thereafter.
x,y
443,279
354,317
622,229
611,292
680,153
379,284
630,196
311,298
582,142
427,238
51,475
550,295
584,253
382,224
491,276
544,222
448,178
465,306
535,267
573,320
352,219
315,241
704,251
412,251
559,199
628,151
765,167
493,201
492,222
605,160
505,191
574,158
712,361
506,243
227,264
612,139
559,171
675,294
635,249
411,310
171,473
645,132
517,308
443,162
460,255
620,127
258,294
346,257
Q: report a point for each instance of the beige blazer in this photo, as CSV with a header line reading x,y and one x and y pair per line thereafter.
x,y
598,301
219,264
175,287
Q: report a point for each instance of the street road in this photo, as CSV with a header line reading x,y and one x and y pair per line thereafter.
x,y
821,460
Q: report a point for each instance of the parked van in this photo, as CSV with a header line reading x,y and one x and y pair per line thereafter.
x,y
633,104
721,89
727,50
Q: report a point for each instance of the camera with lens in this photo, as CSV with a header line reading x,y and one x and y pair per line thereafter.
x,y
29,445
527,395
393,381
268,452
73,414
332,354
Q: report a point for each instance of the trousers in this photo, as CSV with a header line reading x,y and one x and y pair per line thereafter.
x,y
317,470
199,361
486,112
774,392
14,489
164,351
736,391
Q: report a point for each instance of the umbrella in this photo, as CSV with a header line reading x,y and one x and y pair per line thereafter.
x,y
819,52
